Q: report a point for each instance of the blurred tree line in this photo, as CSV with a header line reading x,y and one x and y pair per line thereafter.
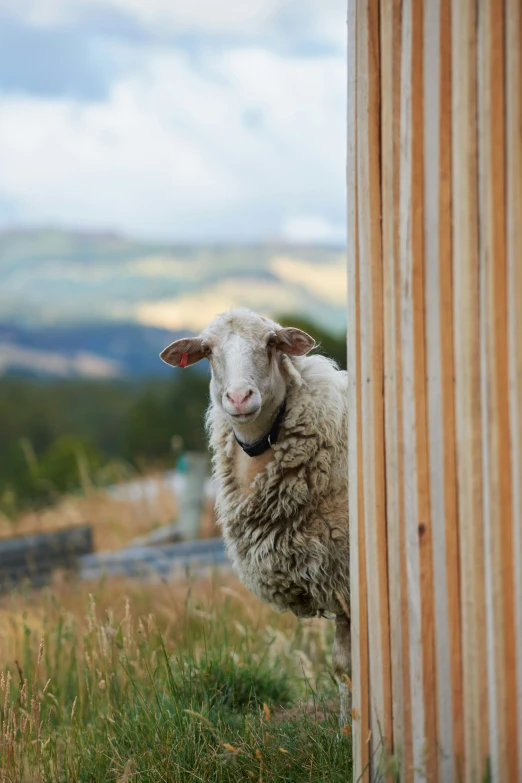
x,y
59,435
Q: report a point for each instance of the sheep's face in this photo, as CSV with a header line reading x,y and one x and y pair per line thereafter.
x,y
244,351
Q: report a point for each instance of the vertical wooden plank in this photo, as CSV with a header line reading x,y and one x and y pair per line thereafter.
x,y
424,525
493,596
407,767
365,236
358,596
448,389
388,174
495,408
467,387
437,219
409,235
513,60
417,490
391,12
370,267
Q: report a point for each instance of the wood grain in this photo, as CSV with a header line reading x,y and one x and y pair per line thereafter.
x,y
513,108
370,270
358,597
435,358
424,524
437,229
408,435
467,386
390,28
495,403
447,370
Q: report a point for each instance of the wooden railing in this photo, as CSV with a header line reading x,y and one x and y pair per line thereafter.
x,y
32,559
435,361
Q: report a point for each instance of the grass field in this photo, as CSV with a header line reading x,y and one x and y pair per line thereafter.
x,y
166,682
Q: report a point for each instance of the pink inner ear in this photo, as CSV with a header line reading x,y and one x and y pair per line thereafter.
x,y
184,359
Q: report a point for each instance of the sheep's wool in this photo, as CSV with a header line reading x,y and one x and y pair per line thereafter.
x,y
288,539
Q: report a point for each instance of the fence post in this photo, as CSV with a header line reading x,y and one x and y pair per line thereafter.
x,y
434,175
192,498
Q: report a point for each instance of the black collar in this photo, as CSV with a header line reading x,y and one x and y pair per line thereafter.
x,y
260,446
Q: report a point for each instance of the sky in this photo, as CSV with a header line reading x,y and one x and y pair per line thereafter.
x,y
178,120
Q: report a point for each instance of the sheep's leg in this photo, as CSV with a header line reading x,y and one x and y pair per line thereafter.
x,y
342,664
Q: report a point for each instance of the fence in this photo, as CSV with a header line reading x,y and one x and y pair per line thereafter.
x,y
435,361
33,558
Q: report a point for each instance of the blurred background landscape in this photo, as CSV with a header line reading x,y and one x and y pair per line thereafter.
x,y
84,398
161,162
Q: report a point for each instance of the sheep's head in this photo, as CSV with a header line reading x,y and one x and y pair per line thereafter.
x,y
244,351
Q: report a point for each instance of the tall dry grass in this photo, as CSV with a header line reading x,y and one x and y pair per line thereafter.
x,y
169,602
122,681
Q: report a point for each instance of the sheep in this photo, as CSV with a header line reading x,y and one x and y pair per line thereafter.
x,y
277,424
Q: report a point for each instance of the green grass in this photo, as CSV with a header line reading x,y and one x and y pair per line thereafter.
x,y
210,698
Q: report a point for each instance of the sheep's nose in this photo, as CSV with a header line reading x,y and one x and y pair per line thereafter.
x,y
238,398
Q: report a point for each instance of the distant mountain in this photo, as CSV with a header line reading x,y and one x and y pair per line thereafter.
x,y
101,350
102,305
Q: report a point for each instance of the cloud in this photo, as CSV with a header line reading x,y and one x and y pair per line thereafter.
x,y
54,62
317,19
196,15
231,144
313,229
176,119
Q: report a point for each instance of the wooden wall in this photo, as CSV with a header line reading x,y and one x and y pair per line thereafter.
x,y
434,175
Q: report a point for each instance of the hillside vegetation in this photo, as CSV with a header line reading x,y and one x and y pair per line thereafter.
x,y
55,277
102,306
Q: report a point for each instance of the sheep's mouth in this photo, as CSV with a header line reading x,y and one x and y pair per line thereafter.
x,y
244,416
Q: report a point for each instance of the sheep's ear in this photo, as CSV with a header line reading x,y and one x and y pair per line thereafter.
x,y
184,352
294,342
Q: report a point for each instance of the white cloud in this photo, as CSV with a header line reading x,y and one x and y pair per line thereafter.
x,y
313,229
321,19
238,144
201,15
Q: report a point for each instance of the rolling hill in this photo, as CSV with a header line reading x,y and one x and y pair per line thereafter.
x,y
102,305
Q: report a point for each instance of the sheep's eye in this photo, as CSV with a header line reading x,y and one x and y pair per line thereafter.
x,y
271,341
207,350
